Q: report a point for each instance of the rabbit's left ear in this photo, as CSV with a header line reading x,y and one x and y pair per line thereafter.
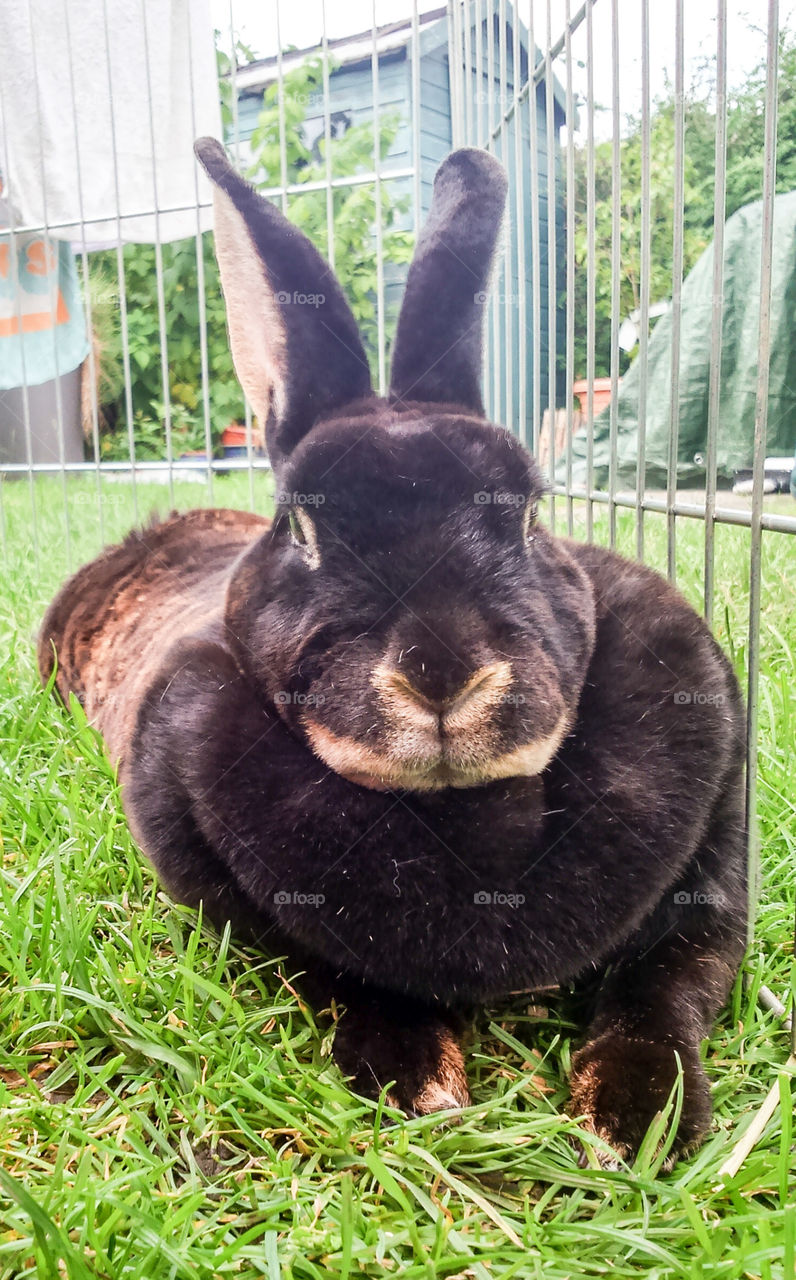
x,y
437,353
294,339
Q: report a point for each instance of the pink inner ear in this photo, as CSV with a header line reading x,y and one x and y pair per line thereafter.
x,y
256,330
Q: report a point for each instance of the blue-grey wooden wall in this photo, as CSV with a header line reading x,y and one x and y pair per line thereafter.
x,y
352,92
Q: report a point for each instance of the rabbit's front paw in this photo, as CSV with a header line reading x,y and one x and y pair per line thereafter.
x,y
425,1062
619,1084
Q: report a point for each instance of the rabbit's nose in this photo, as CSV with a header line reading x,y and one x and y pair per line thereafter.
x,y
477,694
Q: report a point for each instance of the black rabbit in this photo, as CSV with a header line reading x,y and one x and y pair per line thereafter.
x,y
403,734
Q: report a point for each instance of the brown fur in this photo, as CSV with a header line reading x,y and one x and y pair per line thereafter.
x,y
111,623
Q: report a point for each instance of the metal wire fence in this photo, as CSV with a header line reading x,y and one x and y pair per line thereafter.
x,y
518,80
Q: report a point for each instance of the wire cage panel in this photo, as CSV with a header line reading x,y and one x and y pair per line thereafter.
x,y
345,135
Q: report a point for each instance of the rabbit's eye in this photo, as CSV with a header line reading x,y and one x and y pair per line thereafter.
x,y
303,537
296,532
531,512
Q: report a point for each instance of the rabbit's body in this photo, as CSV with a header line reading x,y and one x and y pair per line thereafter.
x,y
405,735
474,892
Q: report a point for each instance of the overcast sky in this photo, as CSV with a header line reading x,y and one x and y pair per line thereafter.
x,y
301,24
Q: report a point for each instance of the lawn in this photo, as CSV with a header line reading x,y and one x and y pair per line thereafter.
x,y
168,1108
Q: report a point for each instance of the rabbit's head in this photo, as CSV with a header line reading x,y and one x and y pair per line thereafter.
x,y
406,614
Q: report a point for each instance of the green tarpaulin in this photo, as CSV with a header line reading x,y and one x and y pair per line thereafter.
x,y
739,360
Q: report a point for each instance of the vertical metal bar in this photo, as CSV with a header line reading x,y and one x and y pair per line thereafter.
x,y
161,293
86,281
717,310
233,83
677,290
200,279
120,275
233,77
481,101
380,333
417,177
59,408
507,257
327,140
454,71
552,263
570,301
248,423
761,423
519,231
536,251
280,103
616,252
644,283
494,342
482,135
26,425
467,78
590,273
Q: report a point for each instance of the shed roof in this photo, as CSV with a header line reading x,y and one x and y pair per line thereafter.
x,y
392,38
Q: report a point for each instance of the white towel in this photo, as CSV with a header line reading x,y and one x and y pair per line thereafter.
x,y
100,102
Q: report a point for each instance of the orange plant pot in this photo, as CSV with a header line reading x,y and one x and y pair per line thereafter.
x,y
234,436
601,394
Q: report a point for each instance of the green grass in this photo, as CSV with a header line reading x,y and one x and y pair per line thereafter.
x,y
168,1109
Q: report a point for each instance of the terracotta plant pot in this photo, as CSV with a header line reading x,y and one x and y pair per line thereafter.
x,y
234,440
601,394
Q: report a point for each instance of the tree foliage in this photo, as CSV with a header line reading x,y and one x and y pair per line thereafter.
x,y
745,146
282,117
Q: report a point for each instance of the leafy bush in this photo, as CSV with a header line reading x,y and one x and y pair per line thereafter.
x,y
745,145
354,217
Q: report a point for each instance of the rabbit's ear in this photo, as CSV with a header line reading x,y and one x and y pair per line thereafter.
x,y
294,339
438,344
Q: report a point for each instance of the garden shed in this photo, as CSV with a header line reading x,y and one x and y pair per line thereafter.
x,y
375,72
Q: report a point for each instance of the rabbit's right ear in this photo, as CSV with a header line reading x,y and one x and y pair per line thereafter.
x,y
294,339
437,353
